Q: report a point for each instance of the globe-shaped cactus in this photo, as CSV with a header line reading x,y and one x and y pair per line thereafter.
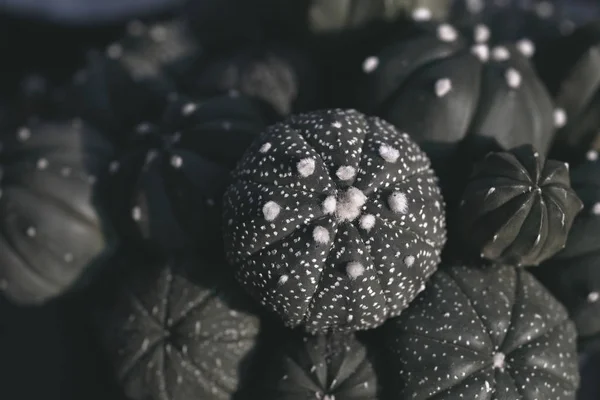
x,y
457,98
518,207
178,326
334,366
479,332
54,230
168,182
334,220
573,275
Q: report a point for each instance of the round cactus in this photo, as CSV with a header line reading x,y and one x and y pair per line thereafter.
x,y
154,51
334,220
52,228
518,208
483,333
283,78
106,95
334,367
177,326
459,100
573,275
168,184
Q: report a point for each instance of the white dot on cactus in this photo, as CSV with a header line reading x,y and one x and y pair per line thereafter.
x,y
498,361
475,6
23,134
596,209
158,33
447,33
350,318
355,197
271,210
175,137
329,205
482,33
321,235
500,53
114,51
593,297
113,166
481,51
443,87
306,167
421,14
337,124
349,206
136,213
389,153
188,109
143,127
591,155
488,387
184,348
367,222
526,47
42,163
354,269
560,117
31,231
283,279
176,161
265,147
513,78
370,64
409,261
345,172
544,9
398,202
